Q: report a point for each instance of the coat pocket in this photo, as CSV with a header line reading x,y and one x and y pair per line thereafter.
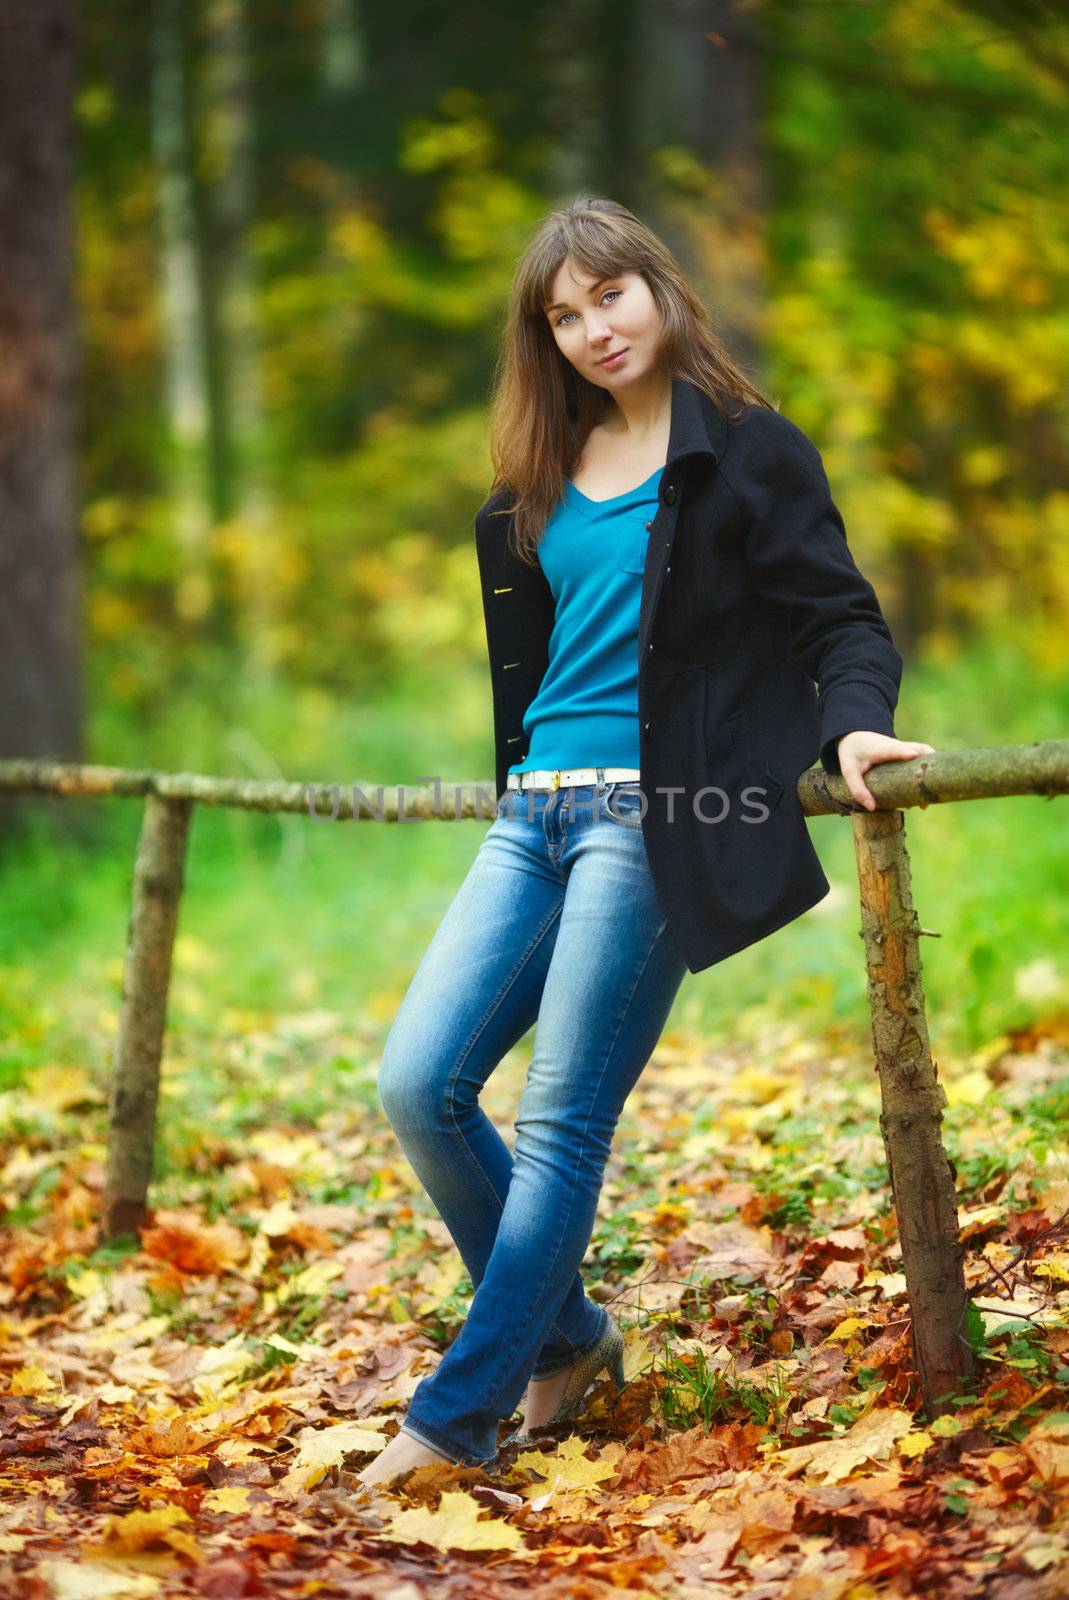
x,y
738,764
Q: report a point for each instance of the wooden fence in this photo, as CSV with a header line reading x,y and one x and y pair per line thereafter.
x,y
922,1176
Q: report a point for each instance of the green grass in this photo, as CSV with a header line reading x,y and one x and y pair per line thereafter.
x,y
284,914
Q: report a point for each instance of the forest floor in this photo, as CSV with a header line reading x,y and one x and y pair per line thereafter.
x,y
184,1411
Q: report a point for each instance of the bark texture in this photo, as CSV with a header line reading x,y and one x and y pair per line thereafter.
x,y
157,889
922,1176
40,582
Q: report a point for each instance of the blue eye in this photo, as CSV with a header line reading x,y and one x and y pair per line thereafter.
x,y
560,319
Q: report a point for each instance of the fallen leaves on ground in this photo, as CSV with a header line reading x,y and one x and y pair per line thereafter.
x,y
187,1413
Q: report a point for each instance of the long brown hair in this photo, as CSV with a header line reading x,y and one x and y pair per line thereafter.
x,y
542,410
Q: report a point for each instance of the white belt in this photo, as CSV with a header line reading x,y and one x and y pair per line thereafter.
x,y
557,778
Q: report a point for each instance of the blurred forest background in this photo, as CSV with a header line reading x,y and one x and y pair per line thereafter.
x,y
269,298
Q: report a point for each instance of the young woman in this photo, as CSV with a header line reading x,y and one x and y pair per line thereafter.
x,y
667,585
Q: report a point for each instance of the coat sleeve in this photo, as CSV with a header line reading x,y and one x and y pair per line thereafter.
x,y
798,558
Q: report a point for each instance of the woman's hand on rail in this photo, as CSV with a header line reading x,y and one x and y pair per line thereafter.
x,y
860,750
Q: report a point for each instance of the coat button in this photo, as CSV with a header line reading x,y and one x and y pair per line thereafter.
x,y
649,649
646,729
668,568
669,494
649,525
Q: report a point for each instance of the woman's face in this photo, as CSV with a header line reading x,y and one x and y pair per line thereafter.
x,y
591,320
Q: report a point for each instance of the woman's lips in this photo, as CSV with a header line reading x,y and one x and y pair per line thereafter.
x,y
610,361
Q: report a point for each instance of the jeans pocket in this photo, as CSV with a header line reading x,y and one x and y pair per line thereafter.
x,y
625,803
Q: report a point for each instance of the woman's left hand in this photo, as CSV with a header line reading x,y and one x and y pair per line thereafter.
x,y
861,750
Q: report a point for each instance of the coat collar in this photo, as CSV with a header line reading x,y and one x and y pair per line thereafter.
x,y
697,427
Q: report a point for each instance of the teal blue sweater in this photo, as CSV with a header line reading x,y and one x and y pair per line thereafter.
x,y
585,713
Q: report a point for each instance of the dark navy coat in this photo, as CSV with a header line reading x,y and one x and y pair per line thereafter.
x,y
759,645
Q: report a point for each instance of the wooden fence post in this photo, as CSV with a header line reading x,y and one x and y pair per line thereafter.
x,y
922,1175
157,889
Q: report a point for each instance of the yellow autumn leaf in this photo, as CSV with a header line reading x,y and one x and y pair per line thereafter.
x,y
23,1166
85,1284
738,1119
93,1580
890,1284
147,1331
114,1394
455,1525
139,1530
872,1438
758,1085
302,1153
570,1465
641,1357
319,1449
231,1497
697,1145
977,1219
439,1279
849,1326
914,1444
220,1366
970,1089
312,1281
31,1380
1054,1267
280,1342
62,1088
277,1221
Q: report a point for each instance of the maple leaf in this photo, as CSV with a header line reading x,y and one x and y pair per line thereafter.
x,y
323,1448
231,1497
139,1530
455,1525
192,1245
171,1438
570,1465
31,1380
872,1438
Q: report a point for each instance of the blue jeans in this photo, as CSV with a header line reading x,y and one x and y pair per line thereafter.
x,y
556,923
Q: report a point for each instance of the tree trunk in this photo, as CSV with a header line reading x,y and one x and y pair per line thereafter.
x,y
189,402
230,118
40,581
135,1086
922,1176
698,83
344,64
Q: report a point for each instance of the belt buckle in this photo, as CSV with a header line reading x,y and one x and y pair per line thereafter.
x,y
556,778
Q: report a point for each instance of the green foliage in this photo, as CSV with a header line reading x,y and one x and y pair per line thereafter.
x,y
693,1391
912,256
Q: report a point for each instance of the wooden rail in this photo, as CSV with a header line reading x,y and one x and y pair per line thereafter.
x,y
912,1098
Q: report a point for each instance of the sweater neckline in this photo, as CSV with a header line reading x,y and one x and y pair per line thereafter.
x,y
584,503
